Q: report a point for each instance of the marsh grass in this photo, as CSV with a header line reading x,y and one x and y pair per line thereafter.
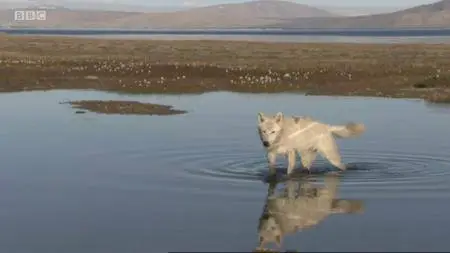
x,y
149,66
123,107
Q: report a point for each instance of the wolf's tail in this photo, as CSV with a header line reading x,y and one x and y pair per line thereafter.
x,y
349,130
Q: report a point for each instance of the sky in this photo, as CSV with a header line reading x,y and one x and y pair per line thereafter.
x,y
350,3
342,3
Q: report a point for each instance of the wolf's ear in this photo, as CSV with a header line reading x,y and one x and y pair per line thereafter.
x,y
279,117
261,117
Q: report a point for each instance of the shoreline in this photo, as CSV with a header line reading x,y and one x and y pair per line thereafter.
x,y
186,67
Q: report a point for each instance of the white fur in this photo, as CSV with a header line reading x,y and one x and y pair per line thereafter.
x,y
305,136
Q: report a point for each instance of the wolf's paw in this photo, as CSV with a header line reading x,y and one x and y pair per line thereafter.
x,y
305,171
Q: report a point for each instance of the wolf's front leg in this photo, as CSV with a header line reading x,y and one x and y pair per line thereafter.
x,y
271,159
291,161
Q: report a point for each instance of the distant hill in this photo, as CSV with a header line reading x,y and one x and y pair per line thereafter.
x,y
90,5
60,17
253,13
428,15
359,10
247,14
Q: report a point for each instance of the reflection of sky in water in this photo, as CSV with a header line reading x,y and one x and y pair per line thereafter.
x,y
209,112
105,183
33,121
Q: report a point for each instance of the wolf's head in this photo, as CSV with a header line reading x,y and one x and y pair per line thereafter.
x,y
269,231
269,128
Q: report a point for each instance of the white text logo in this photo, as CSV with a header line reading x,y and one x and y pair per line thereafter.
x,y
30,15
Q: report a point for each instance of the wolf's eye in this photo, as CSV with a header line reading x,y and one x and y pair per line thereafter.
x,y
272,132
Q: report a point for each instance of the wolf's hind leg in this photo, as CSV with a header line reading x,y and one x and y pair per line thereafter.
x,y
327,148
291,161
307,156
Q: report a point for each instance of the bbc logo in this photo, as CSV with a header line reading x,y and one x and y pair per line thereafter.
x,y
30,15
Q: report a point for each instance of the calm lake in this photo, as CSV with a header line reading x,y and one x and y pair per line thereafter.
x,y
195,182
419,35
284,38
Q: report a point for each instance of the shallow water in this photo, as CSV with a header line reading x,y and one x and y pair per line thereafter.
x,y
195,182
286,38
384,36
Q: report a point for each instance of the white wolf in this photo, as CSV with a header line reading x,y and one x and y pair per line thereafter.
x,y
289,135
302,205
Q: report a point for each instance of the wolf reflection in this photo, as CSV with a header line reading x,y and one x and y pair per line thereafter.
x,y
300,205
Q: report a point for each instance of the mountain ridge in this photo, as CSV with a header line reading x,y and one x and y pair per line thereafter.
x,y
250,14
434,15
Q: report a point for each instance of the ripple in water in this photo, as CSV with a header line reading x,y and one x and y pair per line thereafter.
x,y
367,169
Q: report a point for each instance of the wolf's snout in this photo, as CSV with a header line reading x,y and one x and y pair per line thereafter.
x,y
266,144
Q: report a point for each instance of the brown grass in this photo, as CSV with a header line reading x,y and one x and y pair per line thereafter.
x,y
146,66
441,98
123,107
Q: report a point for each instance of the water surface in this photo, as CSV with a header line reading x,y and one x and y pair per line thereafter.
x,y
288,38
384,36
195,182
